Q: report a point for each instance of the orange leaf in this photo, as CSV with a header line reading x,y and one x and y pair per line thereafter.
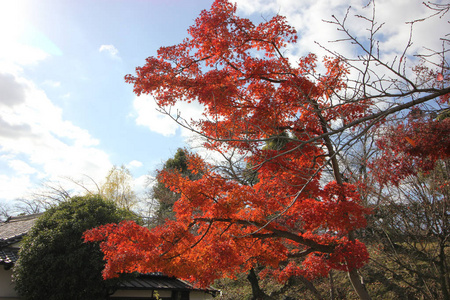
x,y
411,141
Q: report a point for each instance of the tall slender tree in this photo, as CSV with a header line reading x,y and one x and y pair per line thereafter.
x,y
118,187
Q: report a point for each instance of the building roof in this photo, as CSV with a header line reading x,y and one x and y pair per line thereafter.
x,y
16,227
11,232
154,281
159,281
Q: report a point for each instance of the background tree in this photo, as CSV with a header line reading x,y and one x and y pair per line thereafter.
x,y
300,216
5,211
412,219
50,194
118,188
161,193
54,263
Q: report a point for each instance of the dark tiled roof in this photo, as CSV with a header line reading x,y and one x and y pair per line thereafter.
x,y
12,231
9,255
154,282
159,281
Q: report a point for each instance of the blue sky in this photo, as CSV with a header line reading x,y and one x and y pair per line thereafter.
x,y
65,110
71,57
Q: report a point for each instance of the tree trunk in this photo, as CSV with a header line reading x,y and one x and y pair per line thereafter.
x,y
258,294
358,286
332,290
443,274
353,274
311,287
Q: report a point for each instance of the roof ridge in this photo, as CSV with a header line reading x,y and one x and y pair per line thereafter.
x,y
23,217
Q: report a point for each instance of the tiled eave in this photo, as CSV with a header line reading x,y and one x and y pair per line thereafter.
x,y
157,281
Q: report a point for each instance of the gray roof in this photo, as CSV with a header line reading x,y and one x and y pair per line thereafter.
x,y
159,281
154,282
11,232
16,227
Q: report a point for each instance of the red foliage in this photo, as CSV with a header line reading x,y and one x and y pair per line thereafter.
x,y
250,93
412,147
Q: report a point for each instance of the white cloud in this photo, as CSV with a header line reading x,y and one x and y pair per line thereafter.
x,y
14,187
38,144
15,53
12,92
149,116
307,17
52,83
22,167
111,50
141,184
257,6
134,164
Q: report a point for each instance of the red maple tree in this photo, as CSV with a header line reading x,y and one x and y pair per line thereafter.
x,y
277,117
411,148
415,143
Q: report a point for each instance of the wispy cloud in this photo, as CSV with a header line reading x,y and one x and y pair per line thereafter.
x,y
111,50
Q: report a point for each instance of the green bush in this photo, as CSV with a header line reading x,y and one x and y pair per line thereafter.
x,y
54,263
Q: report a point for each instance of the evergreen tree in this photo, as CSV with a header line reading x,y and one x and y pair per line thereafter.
x,y
54,262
